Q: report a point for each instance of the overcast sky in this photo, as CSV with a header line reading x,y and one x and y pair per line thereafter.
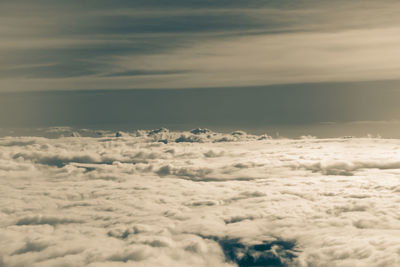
x,y
102,44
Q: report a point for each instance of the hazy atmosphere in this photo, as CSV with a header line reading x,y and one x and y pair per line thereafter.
x,y
199,133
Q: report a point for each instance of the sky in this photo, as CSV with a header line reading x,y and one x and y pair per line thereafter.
x,y
336,46
50,45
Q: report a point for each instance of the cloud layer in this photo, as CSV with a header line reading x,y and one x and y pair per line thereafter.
x,y
161,198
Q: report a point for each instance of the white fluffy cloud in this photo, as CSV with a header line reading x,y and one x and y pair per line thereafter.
x,y
198,198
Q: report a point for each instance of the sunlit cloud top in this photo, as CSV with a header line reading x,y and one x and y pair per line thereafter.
x,y
50,45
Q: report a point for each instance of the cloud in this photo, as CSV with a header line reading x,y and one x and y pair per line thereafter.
x,y
191,173
144,72
58,160
131,255
32,246
181,44
38,219
349,167
131,200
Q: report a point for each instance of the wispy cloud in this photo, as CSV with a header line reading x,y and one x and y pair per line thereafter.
x,y
76,45
144,72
